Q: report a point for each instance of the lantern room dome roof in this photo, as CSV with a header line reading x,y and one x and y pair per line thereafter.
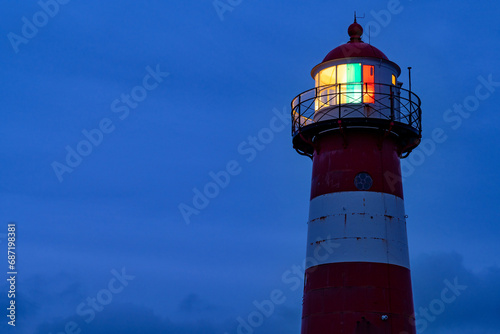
x,y
355,47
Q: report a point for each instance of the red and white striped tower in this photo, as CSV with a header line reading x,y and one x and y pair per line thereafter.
x,y
356,124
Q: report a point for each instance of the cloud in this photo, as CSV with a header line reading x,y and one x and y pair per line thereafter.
x,y
194,304
473,310
26,308
125,318
128,319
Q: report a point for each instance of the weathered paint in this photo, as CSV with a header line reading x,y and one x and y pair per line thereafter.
x,y
363,226
351,202
338,296
340,158
366,272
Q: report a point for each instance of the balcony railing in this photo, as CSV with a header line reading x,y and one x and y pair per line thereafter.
x,y
367,102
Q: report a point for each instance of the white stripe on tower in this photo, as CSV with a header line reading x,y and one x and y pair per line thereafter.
x,y
364,226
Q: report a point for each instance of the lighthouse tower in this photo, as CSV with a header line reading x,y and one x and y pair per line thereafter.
x,y
355,125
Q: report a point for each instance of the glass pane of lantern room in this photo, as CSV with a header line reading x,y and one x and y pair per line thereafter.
x,y
326,92
327,76
353,73
342,74
368,84
342,80
348,74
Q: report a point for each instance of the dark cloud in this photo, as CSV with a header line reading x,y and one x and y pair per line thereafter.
x,y
455,297
128,319
27,307
194,304
472,309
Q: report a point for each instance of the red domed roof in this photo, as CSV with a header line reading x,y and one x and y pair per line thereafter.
x,y
358,49
355,47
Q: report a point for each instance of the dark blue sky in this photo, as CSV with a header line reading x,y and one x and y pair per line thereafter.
x,y
178,91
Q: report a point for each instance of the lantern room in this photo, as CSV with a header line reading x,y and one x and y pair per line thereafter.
x,y
356,76
355,84
357,87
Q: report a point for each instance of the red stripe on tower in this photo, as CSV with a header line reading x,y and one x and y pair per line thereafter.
x,y
356,124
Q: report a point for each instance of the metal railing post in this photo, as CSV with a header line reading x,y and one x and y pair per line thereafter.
x,y
339,103
391,97
411,107
365,92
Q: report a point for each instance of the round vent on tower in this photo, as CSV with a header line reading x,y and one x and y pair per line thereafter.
x,y
363,181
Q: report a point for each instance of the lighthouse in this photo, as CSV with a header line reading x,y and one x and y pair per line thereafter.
x,y
356,124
